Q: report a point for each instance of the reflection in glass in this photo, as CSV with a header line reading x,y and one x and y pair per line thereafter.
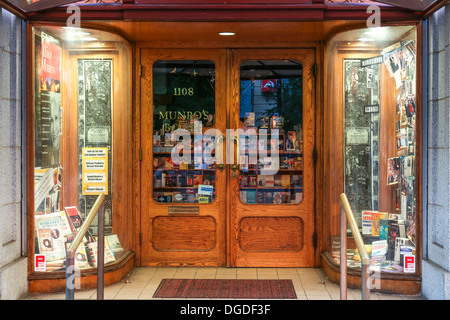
x,y
183,101
270,105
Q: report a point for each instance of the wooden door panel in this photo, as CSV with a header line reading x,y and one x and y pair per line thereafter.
x,y
269,235
171,233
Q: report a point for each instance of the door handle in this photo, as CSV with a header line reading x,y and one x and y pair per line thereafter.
x,y
221,167
235,166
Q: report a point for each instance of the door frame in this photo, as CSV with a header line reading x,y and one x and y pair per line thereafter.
x,y
317,83
213,212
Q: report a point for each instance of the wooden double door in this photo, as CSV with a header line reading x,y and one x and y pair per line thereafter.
x,y
227,170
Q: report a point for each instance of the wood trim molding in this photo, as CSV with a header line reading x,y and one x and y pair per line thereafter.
x,y
390,283
227,12
56,281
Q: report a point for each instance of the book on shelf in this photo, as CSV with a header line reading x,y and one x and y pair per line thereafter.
x,y
406,250
376,262
269,197
198,179
278,197
298,163
376,216
261,180
296,180
74,215
178,197
252,181
249,119
260,197
243,181
113,242
190,195
81,259
286,180
243,196
92,249
277,182
287,197
169,164
367,222
251,196
357,256
384,224
50,237
270,182
399,243
379,247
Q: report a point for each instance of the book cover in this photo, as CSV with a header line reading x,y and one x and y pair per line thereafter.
x,y
252,181
168,164
260,197
93,254
243,181
286,180
384,224
376,262
278,197
367,222
198,179
277,181
399,243
251,196
51,238
178,197
270,181
379,248
269,197
243,196
261,180
113,243
376,216
392,234
249,120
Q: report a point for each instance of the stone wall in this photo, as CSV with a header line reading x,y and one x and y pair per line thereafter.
x,y
13,265
436,262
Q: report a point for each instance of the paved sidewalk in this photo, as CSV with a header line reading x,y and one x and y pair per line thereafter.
x,y
141,283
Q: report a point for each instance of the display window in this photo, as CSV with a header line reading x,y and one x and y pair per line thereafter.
x,y
79,120
372,86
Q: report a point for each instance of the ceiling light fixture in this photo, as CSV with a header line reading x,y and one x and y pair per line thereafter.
x,y
227,33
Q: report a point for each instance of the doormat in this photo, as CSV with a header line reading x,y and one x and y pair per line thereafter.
x,y
226,288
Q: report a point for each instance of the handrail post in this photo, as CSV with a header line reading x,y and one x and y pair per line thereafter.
x,y
101,253
343,255
70,253
365,290
365,261
70,272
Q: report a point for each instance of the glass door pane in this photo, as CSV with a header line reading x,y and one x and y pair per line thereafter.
x,y
184,104
271,142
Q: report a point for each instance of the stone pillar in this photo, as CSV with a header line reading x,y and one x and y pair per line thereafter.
x,y
13,265
436,259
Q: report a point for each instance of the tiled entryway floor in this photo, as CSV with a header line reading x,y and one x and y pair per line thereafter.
x,y
141,283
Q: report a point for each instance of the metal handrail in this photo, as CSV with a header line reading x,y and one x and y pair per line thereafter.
x,y
347,216
98,207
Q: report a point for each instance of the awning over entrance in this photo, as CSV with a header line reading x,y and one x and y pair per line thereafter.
x,y
28,6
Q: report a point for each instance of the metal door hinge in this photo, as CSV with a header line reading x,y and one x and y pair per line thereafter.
x,y
140,154
315,155
314,239
315,70
140,70
140,238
